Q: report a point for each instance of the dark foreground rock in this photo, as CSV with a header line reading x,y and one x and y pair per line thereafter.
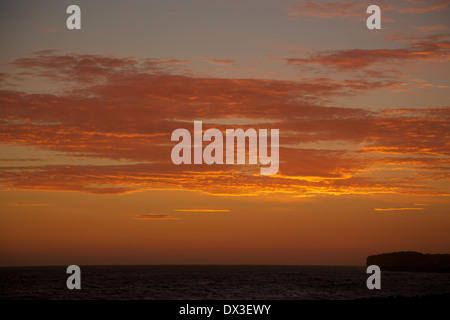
x,y
411,261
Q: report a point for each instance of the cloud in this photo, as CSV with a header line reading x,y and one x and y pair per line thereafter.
x,y
220,62
341,9
3,78
154,216
175,61
129,108
397,209
51,30
434,27
440,39
202,210
357,9
31,204
356,59
432,5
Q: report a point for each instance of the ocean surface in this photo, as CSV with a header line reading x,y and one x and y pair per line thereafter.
x,y
196,282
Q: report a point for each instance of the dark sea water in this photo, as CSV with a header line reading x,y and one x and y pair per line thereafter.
x,y
176,282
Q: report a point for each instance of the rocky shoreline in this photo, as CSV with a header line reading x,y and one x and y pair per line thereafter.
x,y
410,261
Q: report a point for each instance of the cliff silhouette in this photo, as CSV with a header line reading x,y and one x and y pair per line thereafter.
x,y
411,261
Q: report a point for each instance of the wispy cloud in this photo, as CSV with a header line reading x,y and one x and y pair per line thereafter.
x,y
51,30
435,27
154,216
397,209
220,62
320,9
119,116
355,59
357,9
175,61
202,210
427,7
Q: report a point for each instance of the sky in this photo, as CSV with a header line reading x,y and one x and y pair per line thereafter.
x,y
86,118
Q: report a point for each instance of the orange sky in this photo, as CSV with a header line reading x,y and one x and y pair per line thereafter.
x,y
85,124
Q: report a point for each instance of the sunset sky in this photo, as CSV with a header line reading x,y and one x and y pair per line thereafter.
x,y
86,118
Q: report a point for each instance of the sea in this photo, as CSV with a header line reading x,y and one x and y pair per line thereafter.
x,y
216,282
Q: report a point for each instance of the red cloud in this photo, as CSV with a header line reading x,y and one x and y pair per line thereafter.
x,y
132,106
435,5
355,59
431,28
220,62
350,8
340,9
